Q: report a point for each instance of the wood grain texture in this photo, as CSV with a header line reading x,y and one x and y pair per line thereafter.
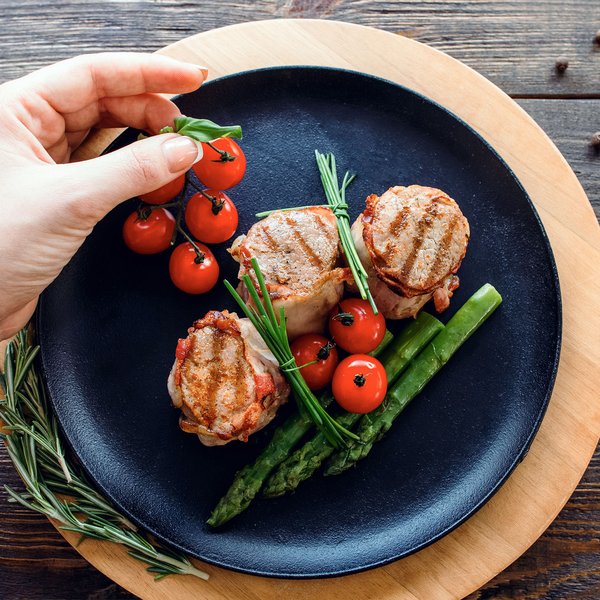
x,y
570,124
37,564
514,43
563,564
531,498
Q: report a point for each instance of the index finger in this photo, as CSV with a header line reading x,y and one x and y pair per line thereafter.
x,y
76,82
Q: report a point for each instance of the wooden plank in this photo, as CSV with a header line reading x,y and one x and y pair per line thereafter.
x,y
554,581
514,43
570,124
563,563
38,564
517,515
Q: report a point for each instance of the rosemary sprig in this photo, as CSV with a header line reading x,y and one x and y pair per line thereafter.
x,y
336,197
54,486
273,332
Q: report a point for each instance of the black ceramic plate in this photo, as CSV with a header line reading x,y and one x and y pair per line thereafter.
x,y
109,324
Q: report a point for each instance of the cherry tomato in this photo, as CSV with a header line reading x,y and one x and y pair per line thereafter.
x,y
211,221
355,328
221,171
311,347
165,193
188,273
151,234
359,383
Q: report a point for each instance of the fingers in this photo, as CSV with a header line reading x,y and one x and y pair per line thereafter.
x,y
73,84
61,150
150,112
74,140
12,323
95,186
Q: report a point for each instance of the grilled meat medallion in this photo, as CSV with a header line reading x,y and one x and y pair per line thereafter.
x,y
299,256
411,241
225,380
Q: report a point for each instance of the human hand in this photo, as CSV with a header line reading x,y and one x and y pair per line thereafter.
x,y
48,205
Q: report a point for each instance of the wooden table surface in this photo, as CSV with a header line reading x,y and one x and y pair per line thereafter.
x,y
514,43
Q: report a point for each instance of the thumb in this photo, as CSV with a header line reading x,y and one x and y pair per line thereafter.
x,y
144,166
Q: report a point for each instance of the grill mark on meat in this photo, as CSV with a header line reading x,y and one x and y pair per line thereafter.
x,y
390,250
312,256
239,382
322,223
400,222
329,232
213,378
442,247
424,225
270,242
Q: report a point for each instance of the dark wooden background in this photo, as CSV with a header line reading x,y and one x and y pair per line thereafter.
x,y
514,43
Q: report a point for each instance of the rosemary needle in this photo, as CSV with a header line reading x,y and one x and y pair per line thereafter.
x,y
54,486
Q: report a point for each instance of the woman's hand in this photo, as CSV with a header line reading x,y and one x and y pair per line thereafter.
x,y
48,206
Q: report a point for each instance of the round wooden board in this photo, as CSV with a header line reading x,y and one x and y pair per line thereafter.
x,y
517,515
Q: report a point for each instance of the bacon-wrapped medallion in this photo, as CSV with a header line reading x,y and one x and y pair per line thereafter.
x,y
299,256
225,380
411,241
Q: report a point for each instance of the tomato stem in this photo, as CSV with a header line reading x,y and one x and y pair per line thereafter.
x,y
359,380
199,254
224,156
168,205
344,318
143,212
179,204
217,203
325,351
195,186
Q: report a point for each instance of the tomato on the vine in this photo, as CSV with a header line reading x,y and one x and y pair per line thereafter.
x,y
149,234
165,193
355,327
193,273
211,216
222,165
311,347
359,383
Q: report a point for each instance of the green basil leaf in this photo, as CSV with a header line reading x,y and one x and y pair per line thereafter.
x,y
203,130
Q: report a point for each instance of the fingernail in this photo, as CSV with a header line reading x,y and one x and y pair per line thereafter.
x,y
200,151
203,70
180,152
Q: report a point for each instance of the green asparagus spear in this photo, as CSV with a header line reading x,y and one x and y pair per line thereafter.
x,y
437,353
248,480
307,459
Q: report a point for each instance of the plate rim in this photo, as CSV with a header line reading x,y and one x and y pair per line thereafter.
x,y
522,453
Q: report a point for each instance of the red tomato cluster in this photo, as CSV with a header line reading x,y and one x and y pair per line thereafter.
x,y
359,381
210,216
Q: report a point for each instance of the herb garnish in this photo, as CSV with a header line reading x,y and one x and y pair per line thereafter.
x,y
336,197
273,332
202,130
55,487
